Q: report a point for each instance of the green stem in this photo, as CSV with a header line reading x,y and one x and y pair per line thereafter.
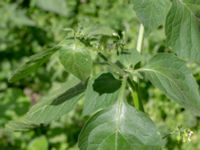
x,y
140,38
135,92
137,101
122,90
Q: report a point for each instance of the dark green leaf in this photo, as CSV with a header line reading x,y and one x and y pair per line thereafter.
x,y
93,100
170,75
120,127
106,83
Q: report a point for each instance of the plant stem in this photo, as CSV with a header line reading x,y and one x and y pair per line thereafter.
x,y
137,101
135,93
140,38
123,88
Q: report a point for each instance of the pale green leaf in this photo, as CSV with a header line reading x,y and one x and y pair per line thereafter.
x,y
152,13
56,104
183,33
76,59
194,6
58,6
39,143
95,100
121,127
31,65
130,58
170,75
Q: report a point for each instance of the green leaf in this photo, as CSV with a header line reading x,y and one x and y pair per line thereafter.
x,y
170,75
182,31
56,104
120,127
76,59
31,65
58,6
194,6
129,59
106,83
95,101
39,143
152,13
93,30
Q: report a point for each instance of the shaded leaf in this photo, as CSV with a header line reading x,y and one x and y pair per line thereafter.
x,y
106,83
120,127
94,101
182,30
76,59
170,75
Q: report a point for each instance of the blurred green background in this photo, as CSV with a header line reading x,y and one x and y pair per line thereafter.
x,y
30,26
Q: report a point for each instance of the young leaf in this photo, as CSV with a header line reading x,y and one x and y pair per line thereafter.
x,y
76,59
152,13
170,75
39,143
182,31
31,65
129,59
120,127
100,99
52,107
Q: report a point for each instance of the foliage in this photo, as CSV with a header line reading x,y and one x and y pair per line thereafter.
x,y
85,65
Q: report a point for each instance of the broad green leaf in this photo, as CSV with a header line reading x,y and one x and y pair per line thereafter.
x,y
96,100
182,31
170,75
56,104
58,6
121,127
31,65
194,6
76,59
39,143
152,13
130,58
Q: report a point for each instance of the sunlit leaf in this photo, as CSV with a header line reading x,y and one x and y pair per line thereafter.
x,y
170,75
152,13
76,59
183,33
120,127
